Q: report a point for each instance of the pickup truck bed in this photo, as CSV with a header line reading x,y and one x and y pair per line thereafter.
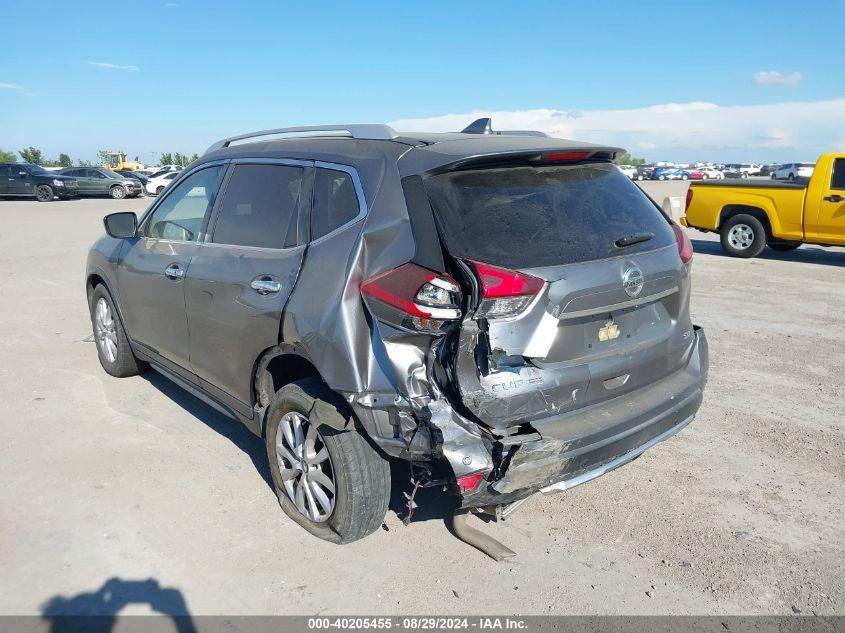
x,y
753,184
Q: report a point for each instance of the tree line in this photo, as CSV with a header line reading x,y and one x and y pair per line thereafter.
x,y
36,157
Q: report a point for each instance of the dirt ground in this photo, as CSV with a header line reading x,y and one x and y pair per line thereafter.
x,y
132,491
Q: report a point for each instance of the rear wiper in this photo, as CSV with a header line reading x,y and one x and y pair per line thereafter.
x,y
630,240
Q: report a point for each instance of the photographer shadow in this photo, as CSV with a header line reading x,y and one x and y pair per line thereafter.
x,y
97,611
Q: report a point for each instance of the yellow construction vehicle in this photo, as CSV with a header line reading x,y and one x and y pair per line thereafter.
x,y
117,160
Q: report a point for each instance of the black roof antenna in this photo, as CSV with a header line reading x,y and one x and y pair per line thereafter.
x,y
485,126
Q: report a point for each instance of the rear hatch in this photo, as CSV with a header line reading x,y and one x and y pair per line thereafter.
x,y
578,292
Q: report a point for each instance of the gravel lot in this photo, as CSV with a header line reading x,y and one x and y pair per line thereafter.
x,y
136,481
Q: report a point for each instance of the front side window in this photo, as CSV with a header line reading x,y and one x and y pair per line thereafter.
x,y
260,207
180,215
335,202
837,180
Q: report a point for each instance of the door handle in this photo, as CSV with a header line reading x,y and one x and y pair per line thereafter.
x,y
834,198
174,271
265,285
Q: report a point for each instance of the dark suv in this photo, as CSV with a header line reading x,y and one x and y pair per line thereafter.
x,y
25,180
508,313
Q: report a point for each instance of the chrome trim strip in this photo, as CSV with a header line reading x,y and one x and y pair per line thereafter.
x,y
619,306
567,484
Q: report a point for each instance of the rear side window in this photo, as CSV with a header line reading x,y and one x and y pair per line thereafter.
x,y
335,201
837,180
260,207
526,217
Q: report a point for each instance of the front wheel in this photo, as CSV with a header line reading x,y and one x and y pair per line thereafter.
x,y
43,193
684,177
791,177
117,192
331,482
743,236
159,190
113,347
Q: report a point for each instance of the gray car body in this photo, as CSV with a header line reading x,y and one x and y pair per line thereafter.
x,y
418,396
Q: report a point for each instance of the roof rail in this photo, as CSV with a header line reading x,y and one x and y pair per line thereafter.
x,y
369,131
485,126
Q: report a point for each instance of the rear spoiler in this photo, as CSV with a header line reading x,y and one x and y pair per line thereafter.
x,y
528,157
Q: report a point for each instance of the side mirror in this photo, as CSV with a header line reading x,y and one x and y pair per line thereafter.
x,y
121,225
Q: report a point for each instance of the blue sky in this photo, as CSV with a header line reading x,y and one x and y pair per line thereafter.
x,y
151,76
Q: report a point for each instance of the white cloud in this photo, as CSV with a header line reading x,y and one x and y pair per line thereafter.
x,y
678,131
110,66
17,88
776,78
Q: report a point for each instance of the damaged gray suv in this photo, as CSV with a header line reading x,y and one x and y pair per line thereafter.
x,y
506,312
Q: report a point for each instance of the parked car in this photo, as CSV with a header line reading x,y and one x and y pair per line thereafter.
x,y
669,173
734,170
156,184
695,174
355,297
165,169
793,171
644,172
711,172
99,181
750,216
25,180
142,178
629,171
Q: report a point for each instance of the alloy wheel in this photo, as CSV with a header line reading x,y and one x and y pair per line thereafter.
x,y
104,327
741,236
305,466
43,193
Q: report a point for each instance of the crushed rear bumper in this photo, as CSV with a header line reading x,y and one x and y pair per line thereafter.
x,y
581,445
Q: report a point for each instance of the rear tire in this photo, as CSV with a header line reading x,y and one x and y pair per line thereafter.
x,y
113,347
118,192
44,193
743,236
359,476
791,177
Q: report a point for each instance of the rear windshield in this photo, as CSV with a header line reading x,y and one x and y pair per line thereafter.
x,y
527,217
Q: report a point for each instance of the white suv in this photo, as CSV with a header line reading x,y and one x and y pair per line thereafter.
x,y
793,171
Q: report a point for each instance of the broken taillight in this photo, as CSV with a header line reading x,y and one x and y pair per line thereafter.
x,y
414,297
468,483
504,293
684,243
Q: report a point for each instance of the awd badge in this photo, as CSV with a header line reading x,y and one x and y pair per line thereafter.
x,y
609,331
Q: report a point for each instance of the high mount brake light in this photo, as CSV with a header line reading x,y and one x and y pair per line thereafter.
x,y
414,296
504,293
684,244
554,157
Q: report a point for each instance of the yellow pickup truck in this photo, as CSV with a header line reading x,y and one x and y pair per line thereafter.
x,y
750,215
